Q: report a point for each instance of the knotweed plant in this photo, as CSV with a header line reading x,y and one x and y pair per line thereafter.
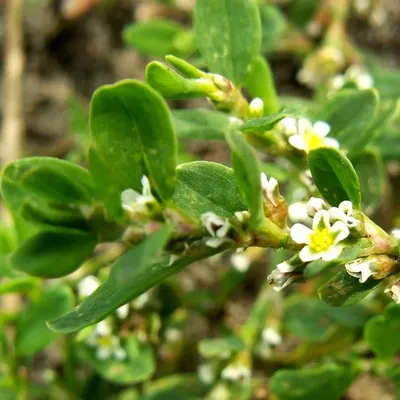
x,y
303,182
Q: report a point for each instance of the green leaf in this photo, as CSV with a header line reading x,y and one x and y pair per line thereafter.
x,y
371,172
382,332
387,81
349,114
133,135
273,25
260,83
52,254
326,382
200,124
32,332
387,144
156,37
220,347
248,175
55,187
334,176
344,289
171,85
228,34
137,367
265,123
136,271
301,11
205,186
18,285
307,319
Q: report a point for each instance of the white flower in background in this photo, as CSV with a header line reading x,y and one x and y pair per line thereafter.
x,y
343,213
271,337
123,311
362,268
287,126
309,137
396,233
140,302
314,205
87,286
133,201
106,344
362,6
234,372
173,335
206,373
394,292
235,121
322,241
297,212
217,227
241,262
256,108
269,187
359,75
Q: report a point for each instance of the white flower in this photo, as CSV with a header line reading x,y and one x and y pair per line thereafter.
x,y
394,292
241,262
236,373
271,337
217,227
396,233
314,205
256,108
362,268
206,373
287,126
141,301
123,311
279,280
309,137
269,187
135,202
343,213
106,344
173,335
322,240
359,76
297,212
87,286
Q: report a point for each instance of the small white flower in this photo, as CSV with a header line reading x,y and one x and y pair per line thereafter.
x,y
133,201
358,75
87,286
140,302
322,240
206,373
309,137
241,262
314,205
106,344
269,187
297,212
279,280
362,6
242,216
271,336
236,373
123,311
362,268
287,126
173,335
235,121
343,213
394,292
337,82
256,108
396,233
217,227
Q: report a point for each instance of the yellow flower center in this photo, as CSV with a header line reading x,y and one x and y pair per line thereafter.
x,y
314,141
321,240
105,342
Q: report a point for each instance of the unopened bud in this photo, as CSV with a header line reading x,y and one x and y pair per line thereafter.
x,y
375,266
256,108
314,205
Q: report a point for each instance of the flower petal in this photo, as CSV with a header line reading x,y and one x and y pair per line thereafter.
x,y
321,128
298,142
304,125
347,207
300,233
339,231
330,142
146,191
321,220
308,254
332,253
128,198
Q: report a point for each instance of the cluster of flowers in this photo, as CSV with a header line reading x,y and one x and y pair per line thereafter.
x,y
305,136
356,75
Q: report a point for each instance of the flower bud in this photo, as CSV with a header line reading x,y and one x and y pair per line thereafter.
x,y
394,292
375,266
314,205
256,108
